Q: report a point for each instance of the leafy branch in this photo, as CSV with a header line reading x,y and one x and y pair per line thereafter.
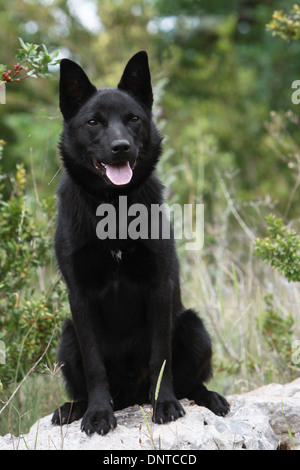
x,y
33,61
281,248
286,25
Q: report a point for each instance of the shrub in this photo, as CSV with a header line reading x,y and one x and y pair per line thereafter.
x,y
32,297
278,329
286,25
281,248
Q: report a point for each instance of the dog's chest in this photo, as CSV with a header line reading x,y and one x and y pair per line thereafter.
x,y
116,255
136,263
98,267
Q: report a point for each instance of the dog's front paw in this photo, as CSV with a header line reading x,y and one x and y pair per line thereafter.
x,y
218,404
167,410
213,401
69,412
98,420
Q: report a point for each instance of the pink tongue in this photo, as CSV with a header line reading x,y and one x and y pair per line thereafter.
x,y
119,173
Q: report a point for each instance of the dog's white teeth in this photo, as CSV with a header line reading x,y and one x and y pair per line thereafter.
x,y
103,164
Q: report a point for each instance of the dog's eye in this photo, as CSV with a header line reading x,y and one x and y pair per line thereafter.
x,y
92,122
134,119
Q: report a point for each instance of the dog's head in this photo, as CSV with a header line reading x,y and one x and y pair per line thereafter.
x,y
109,143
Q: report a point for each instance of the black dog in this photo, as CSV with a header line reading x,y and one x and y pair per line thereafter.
x,y
124,291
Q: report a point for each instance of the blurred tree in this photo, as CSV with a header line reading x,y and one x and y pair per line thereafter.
x,y
227,73
124,33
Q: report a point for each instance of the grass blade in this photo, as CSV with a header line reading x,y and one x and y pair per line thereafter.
x,y
159,380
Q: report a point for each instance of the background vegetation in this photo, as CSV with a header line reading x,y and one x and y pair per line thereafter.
x,y
223,74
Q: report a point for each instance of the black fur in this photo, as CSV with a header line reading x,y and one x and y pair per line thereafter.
x,y
124,294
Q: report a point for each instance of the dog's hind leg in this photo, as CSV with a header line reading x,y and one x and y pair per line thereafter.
x,y
191,363
73,372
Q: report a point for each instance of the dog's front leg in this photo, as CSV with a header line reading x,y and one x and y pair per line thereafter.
x,y
166,407
99,416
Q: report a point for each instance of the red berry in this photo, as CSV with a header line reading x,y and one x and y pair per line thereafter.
x,y
6,75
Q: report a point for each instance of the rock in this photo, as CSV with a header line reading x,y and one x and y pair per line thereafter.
x,y
280,404
263,419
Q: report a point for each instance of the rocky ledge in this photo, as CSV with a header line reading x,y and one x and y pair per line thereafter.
x,y
264,419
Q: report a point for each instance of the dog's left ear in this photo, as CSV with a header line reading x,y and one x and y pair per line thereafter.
x,y
136,79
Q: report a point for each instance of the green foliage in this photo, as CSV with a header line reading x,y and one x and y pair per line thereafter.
x,y
30,311
31,307
33,59
286,25
281,248
222,85
278,331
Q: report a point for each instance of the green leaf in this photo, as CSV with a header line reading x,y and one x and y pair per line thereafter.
x,y
2,68
22,43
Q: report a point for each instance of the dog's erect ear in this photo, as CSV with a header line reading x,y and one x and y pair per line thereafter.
x,y
74,88
136,79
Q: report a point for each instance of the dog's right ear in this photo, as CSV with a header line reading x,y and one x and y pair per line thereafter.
x,y
74,88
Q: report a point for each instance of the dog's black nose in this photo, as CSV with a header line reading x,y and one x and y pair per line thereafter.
x,y
119,146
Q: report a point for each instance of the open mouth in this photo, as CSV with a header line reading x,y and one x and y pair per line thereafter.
x,y
119,173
